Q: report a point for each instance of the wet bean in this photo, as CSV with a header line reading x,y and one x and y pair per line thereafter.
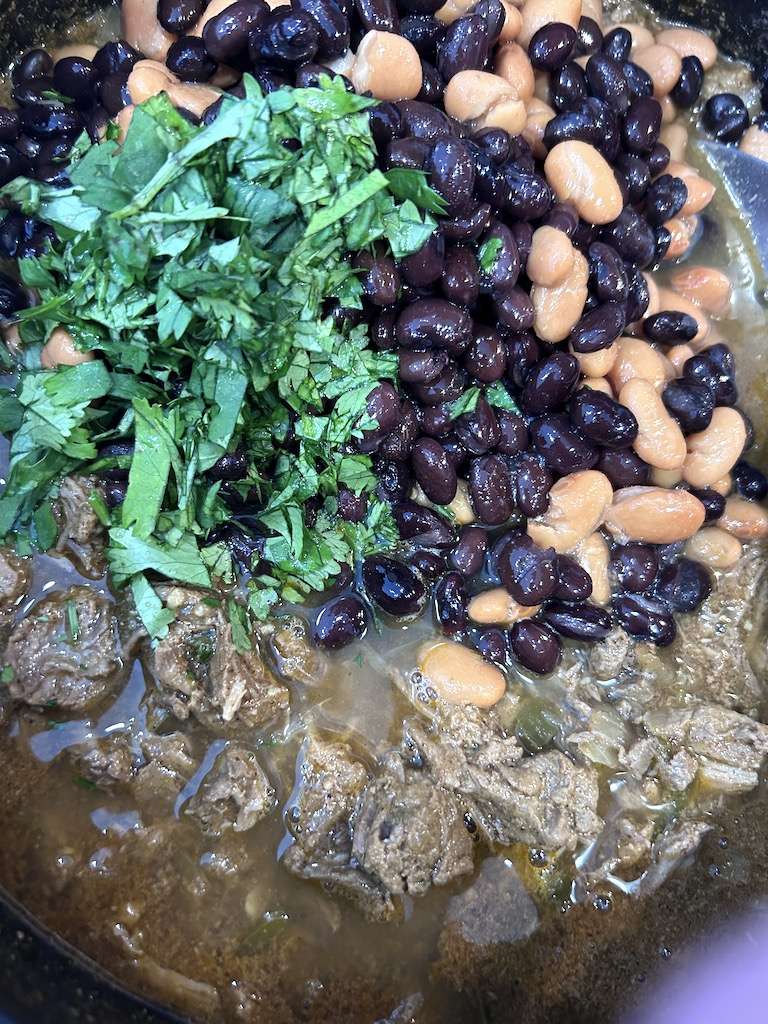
x,y
631,236
529,196
469,554
189,60
684,586
10,125
468,226
528,572
535,646
226,35
380,279
590,36
523,353
464,46
75,77
434,323
713,502
422,367
436,420
478,430
635,566
44,121
505,269
425,266
749,482
664,199
486,357
617,43
549,384
726,117
434,471
561,446
451,603
514,309
645,618
598,328
394,586
658,159
113,92
494,142
607,274
424,121
382,405
351,507
385,123
457,453
231,466
602,420
624,468
430,565
424,32
552,46
398,444
568,87
378,15
490,486
178,16
394,479
450,385
639,82
513,433
532,484
573,582
639,296
411,154
641,125
12,163
585,622
670,327
607,81
422,525
493,645
692,404
340,622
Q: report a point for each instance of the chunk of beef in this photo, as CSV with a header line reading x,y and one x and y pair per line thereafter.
x,y
15,574
621,850
408,833
329,781
167,765
669,851
722,748
612,657
155,765
235,794
65,653
106,761
82,533
292,651
545,800
200,672
496,907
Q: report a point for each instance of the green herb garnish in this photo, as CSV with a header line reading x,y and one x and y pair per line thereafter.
x,y
72,622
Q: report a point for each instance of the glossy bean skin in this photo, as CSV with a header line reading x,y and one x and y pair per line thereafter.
x,y
469,554
460,280
561,446
421,367
641,126
552,46
523,353
691,404
490,486
493,645
383,405
451,604
514,309
380,15
598,328
726,116
394,479
449,386
179,16
535,646
478,430
513,433
352,507
464,46
434,323
607,81
452,173
425,266
670,327
635,566
607,274
645,618
340,622
602,420
654,515
574,583
285,37
713,502
430,565
424,32
584,622
688,87
749,482
434,470
549,384
568,87
459,675
226,35
528,572
486,357
394,586
532,484
684,586
422,525
636,174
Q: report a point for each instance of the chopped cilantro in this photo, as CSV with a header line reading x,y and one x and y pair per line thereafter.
x,y
488,253
466,403
84,783
498,396
6,676
72,622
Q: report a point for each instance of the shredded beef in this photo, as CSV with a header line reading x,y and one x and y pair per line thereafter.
x,y
235,794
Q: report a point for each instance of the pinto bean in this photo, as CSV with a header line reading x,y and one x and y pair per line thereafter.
x,y
641,36
514,66
497,607
594,555
654,515
142,30
60,350
666,477
85,50
461,676
577,506
681,233
485,101
714,547
663,64
538,13
660,441
715,451
675,138
678,355
513,22
706,287
724,485
539,114
557,310
744,519
388,66
755,142
690,42
598,384
149,78
123,122
550,260
192,97
637,359
581,175
461,506
596,364
700,191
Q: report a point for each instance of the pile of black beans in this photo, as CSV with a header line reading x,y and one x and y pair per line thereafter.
x,y
480,402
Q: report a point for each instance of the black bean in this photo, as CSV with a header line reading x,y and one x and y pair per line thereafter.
x,y
38,92
617,43
411,153
12,298
714,368
635,566
639,296
639,81
430,565
451,602
226,36
528,572
425,266
502,274
43,122
382,405
494,142
450,385
607,82
424,121
514,310
424,32
455,450
469,554
75,77
434,471
434,323
436,420
688,86
624,468
394,586
494,15
284,37
523,234
242,545
713,501
607,275
394,479
340,622
452,174
552,46
352,507
231,466
563,217
378,15
468,226
11,234
535,646
684,585
664,199
584,622
646,618
420,6
385,123
422,525
398,444
380,278
114,492
670,327
113,92
383,330
12,163
463,47
749,482
189,60
532,484
550,383
631,236
34,64
178,16
486,357
573,582
691,404
726,117
599,328
490,487
590,36
117,456
422,367
10,125
576,124
642,124
568,87
513,433
493,644
115,57
478,430
602,420
529,196
523,352
658,159
432,84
